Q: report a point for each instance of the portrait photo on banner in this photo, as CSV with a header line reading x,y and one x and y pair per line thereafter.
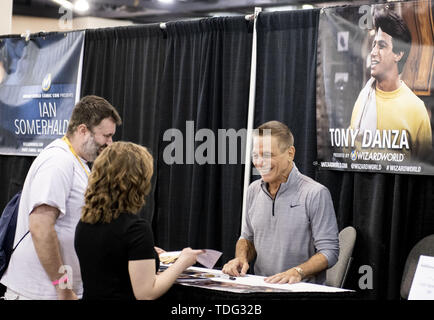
x,y
375,91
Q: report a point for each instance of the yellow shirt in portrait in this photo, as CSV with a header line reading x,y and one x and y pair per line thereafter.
x,y
402,110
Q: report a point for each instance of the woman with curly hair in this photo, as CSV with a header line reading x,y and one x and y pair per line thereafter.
x,y
114,246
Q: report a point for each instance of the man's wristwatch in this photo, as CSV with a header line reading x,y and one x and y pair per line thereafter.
x,y
300,272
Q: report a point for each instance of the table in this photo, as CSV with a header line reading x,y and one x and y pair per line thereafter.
x,y
201,284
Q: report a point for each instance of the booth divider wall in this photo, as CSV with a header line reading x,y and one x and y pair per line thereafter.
x,y
124,66
169,84
206,86
286,78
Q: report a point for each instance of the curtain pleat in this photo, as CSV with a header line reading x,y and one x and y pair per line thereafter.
x,y
286,78
124,66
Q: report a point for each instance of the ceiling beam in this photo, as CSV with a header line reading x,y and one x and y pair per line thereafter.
x,y
153,10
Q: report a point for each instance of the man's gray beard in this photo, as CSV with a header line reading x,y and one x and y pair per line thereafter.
x,y
91,149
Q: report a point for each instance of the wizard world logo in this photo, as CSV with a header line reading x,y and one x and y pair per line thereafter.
x,y
46,83
354,155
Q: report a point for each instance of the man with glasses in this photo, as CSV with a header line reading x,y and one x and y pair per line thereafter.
x,y
44,265
290,224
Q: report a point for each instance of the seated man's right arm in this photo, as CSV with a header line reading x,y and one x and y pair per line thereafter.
x,y
244,253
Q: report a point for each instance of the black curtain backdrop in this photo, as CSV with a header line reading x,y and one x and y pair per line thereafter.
x,y
160,79
285,79
390,212
205,82
13,171
124,66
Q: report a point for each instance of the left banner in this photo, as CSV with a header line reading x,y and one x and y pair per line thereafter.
x,y
39,85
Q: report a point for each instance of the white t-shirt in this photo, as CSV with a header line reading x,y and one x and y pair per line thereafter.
x,y
57,179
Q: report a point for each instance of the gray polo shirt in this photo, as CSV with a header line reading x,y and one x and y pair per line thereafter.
x,y
290,229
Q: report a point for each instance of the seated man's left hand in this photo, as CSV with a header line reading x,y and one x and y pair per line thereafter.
x,y
289,276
